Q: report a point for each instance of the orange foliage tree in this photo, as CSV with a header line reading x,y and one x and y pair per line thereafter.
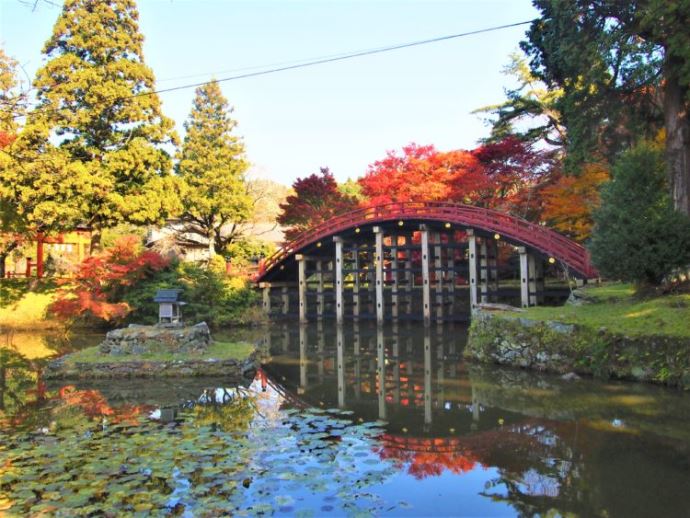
x,y
100,282
497,175
569,201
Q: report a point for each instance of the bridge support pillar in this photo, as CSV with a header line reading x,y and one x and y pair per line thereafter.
x,y
536,280
378,261
451,272
266,297
356,299
531,279
319,290
285,294
395,302
338,266
302,287
438,276
488,269
474,268
426,293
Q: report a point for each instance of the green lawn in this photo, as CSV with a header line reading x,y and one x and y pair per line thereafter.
x,y
616,308
218,351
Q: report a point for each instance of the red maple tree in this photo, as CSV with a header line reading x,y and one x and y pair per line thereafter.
x,y
98,284
316,199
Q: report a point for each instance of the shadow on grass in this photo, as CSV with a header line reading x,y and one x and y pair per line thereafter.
x,y
12,290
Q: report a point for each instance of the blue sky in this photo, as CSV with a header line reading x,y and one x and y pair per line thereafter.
x,y
342,115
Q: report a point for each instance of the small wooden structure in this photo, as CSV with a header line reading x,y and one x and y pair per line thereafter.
x,y
169,305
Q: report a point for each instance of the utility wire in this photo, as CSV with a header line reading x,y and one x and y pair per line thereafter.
x,y
321,61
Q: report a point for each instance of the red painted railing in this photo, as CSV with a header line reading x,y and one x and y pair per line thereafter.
x,y
538,237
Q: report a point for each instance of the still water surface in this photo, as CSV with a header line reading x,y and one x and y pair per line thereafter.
x,y
351,421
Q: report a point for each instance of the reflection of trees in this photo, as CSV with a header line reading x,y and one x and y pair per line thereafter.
x,y
20,384
230,410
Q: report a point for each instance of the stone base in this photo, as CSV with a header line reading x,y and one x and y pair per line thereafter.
x,y
564,348
228,369
138,339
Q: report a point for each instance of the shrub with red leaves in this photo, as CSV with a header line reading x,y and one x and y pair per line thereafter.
x,y
100,283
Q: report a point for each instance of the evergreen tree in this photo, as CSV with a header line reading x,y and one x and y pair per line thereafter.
x,y
638,236
212,166
624,70
97,125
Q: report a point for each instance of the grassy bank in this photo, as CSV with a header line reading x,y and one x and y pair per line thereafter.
x,y
24,304
614,333
617,309
217,350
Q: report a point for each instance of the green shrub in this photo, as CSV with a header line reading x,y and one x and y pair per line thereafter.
x,y
638,236
210,296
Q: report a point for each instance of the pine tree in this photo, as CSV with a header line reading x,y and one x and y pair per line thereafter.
x,y
638,236
98,125
212,166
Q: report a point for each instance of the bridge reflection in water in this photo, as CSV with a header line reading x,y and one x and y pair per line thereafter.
x,y
542,444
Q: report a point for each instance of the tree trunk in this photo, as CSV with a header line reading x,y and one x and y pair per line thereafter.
x,y
3,262
95,240
211,244
677,140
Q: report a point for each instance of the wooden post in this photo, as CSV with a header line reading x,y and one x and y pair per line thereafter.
x,y
319,290
39,255
483,271
524,277
426,295
535,280
438,267
394,276
356,302
338,278
302,287
286,300
378,260
473,266
450,256
266,292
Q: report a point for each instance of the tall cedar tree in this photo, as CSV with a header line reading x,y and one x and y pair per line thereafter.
x,y
624,68
93,149
212,165
317,198
11,107
637,235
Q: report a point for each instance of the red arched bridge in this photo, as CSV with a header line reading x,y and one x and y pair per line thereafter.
x,y
391,252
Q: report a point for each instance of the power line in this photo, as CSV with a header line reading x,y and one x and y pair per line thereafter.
x,y
315,62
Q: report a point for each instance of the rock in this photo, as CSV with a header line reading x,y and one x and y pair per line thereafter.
x,y
570,376
487,306
578,298
560,327
138,339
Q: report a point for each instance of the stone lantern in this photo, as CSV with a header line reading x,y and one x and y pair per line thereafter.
x,y
169,305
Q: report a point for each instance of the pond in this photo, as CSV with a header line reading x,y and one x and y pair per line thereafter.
x,y
356,421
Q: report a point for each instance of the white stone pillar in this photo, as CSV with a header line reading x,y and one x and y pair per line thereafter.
x,y
378,260
426,294
395,302
438,267
524,276
266,295
302,287
473,267
339,306
356,299
320,305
